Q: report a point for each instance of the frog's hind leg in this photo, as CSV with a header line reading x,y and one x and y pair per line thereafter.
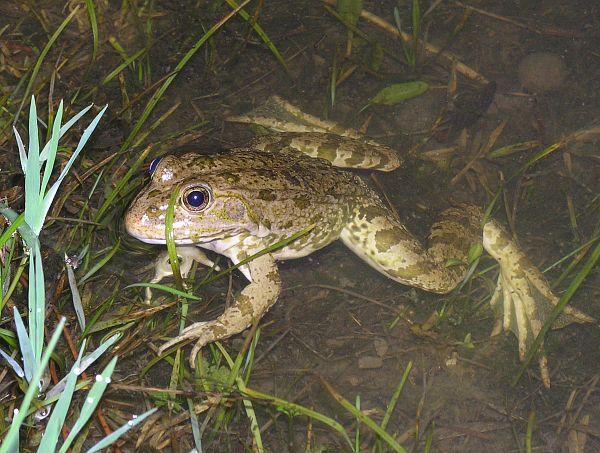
x,y
380,238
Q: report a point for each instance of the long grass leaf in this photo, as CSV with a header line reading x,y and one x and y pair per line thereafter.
x,y
94,26
43,53
37,301
90,404
85,363
63,130
170,238
110,198
100,264
75,296
33,390
557,310
25,346
32,182
82,141
108,440
115,72
13,364
168,289
22,152
196,434
297,409
366,420
59,414
261,33
397,392
24,230
53,147
167,83
7,234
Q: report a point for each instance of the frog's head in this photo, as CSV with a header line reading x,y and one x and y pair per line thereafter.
x,y
205,209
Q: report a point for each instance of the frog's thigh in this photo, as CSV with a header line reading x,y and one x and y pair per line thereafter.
x,y
380,239
251,304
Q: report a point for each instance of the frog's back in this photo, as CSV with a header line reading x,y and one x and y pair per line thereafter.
x,y
272,177
288,192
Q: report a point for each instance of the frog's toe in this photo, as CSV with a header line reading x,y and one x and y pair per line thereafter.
x,y
523,300
517,311
197,331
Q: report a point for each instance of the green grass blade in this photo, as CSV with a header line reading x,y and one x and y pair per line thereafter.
x,y
32,175
22,153
297,409
7,234
13,364
94,26
365,420
100,264
558,309
108,440
167,83
196,434
115,72
25,346
261,33
82,141
85,363
75,296
63,130
90,404
37,301
110,198
170,238
40,60
52,145
168,289
24,230
59,414
19,418
392,404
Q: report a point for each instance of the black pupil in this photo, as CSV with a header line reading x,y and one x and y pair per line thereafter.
x,y
196,198
153,165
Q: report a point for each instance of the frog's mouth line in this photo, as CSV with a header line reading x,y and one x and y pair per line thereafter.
x,y
187,241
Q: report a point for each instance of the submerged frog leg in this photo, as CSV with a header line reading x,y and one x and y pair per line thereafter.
x,y
279,115
187,255
381,239
250,305
342,152
523,299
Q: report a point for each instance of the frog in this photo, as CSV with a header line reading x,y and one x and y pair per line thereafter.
x,y
241,202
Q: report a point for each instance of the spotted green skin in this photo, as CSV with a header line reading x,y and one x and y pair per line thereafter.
x,y
259,198
261,194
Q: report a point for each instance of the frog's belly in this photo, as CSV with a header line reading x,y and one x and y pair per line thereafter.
x,y
239,248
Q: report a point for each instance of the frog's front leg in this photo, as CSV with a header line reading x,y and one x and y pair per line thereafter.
x,y
250,305
187,255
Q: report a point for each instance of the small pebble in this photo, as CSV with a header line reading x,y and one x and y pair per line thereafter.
x,y
381,347
541,72
369,362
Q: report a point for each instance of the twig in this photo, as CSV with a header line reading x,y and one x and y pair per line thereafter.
x,y
449,58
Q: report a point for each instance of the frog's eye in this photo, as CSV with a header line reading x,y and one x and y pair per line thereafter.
x,y
196,198
153,165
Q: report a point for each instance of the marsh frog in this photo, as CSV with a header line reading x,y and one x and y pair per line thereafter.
x,y
239,202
